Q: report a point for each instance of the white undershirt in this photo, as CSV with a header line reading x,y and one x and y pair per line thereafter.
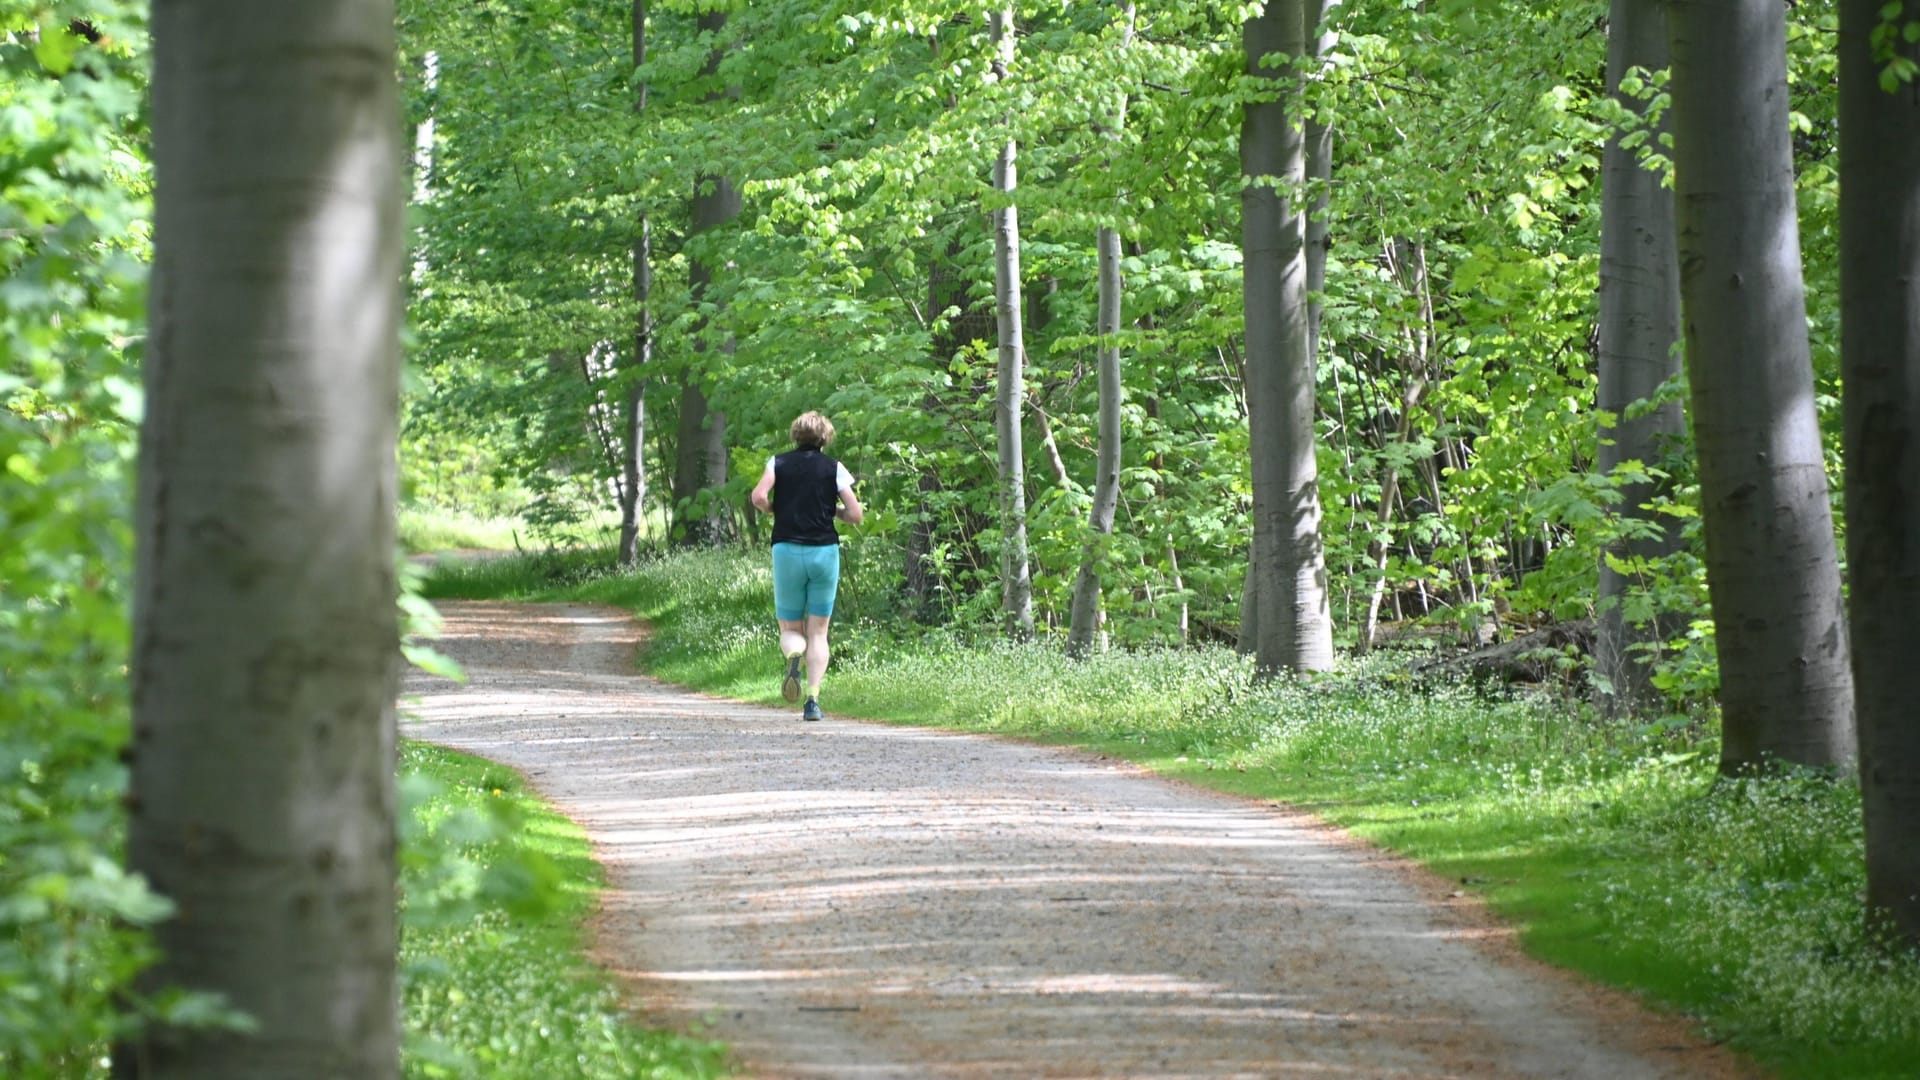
x,y
842,479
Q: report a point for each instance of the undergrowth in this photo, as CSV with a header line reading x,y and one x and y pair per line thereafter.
x,y
1612,845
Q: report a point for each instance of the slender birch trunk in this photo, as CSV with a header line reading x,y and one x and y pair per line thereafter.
x,y
266,645
1016,582
1295,629
1880,358
1639,327
1786,695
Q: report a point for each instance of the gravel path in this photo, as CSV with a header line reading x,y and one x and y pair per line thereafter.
x,y
852,900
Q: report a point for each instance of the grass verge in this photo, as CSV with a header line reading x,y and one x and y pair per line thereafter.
x,y
496,885
426,528
1612,846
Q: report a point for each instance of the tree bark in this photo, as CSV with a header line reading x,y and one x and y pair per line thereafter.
x,y
1880,360
265,648
1247,641
1288,575
633,420
1016,582
1639,326
1084,614
1785,693
1106,482
1319,167
701,462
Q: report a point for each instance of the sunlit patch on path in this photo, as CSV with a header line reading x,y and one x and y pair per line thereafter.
x,y
853,900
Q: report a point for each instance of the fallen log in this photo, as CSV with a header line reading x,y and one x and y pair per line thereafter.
x,y
1536,657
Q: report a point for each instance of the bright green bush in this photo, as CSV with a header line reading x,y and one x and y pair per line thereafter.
x,y
72,238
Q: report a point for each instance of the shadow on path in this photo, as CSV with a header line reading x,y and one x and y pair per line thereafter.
x,y
853,900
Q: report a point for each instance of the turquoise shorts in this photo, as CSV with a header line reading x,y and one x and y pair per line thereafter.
x,y
805,579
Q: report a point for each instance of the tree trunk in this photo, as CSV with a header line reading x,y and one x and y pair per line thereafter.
x,y
1319,167
1772,571
633,420
1106,481
1085,612
1880,356
1639,326
1288,575
700,467
265,648
701,464
1247,641
1016,582
1050,447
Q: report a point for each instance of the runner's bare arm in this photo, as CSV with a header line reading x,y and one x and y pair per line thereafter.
x,y
762,490
850,509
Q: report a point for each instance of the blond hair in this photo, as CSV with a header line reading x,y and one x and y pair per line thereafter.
x,y
811,431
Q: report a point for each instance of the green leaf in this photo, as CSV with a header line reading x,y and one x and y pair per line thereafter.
x,y
433,662
56,48
23,467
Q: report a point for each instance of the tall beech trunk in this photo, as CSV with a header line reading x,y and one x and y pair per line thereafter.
x,y
1880,359
1319,174
265,640
1016,582
1772,571
1106,482
1639,326
1319,167
633,416
1294,630
1085,612
1247,641
701,457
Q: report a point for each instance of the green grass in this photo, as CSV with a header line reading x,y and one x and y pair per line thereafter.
x,y
1612,846
426,528
496,885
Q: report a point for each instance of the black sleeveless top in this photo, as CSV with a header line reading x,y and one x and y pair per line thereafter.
x,y
805,494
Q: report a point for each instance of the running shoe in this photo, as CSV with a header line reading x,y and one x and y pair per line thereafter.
x,y
790,686
812,710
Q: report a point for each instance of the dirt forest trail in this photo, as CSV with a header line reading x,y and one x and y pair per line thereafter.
x,y
854,900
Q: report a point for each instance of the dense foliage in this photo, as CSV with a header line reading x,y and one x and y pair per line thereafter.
x,y
1458,431
1456,374
73,244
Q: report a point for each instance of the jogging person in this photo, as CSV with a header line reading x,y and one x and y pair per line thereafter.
x,y
800,489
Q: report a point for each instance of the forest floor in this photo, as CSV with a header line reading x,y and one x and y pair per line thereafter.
x,y
850,899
